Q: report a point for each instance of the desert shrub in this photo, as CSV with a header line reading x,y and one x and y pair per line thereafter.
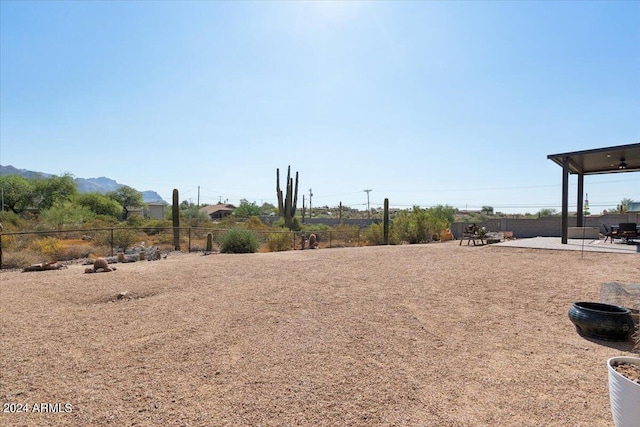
x,y
50,247
238,241
165,237
295,224
20,259
134,220
80,251
122,238
156,226
66,214
419,225
11,221
254,223
125,238
102,221
277,242
227,222
313,228
374,234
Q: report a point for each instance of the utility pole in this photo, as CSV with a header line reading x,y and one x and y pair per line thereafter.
x,y
310,209
368,208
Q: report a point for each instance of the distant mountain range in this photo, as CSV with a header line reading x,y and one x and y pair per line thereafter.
x,y
85,185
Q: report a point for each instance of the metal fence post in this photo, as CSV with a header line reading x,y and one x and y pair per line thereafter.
x,y
189,239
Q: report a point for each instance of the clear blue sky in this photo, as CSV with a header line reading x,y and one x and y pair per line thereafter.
x,y
425,103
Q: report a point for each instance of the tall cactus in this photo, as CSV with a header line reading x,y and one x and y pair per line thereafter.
x,y
176,220
287,205
385,223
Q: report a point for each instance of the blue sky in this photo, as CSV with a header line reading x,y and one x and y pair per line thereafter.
x,y
425,103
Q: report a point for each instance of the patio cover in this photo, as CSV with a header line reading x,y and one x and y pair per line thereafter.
x,y
618,159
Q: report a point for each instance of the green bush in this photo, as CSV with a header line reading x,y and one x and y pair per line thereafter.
x,y
374,234
122,238
278,242
238,241
11,222
156,226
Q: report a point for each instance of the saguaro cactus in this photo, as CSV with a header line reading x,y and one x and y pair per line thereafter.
x,y
175,209
385,223
287,205
209,242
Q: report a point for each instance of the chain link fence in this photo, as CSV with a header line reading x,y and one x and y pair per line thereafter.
x,y
19,249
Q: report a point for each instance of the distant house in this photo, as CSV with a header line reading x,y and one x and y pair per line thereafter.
x,y
633,207
156,210
218,211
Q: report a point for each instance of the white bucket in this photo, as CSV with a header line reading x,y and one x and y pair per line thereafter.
x,y
624,394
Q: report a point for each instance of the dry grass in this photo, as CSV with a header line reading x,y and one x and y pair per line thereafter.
x,y
429,335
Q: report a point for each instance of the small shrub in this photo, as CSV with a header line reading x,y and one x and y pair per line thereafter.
x,y
254,223
374,234
278,242
165,237
238,241
50,247
20,259
125,238
80,251
156,226
134,220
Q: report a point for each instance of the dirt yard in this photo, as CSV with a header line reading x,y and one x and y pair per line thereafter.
x,y
421,335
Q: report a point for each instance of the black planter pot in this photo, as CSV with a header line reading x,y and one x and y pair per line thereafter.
x,y
602,321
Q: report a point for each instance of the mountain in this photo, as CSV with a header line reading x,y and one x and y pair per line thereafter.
x,y
85,185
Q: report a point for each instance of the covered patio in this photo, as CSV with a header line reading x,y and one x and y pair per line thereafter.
x,y
618,159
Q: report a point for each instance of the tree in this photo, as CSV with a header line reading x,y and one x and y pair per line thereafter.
x,y
624,205
268,209
64,213
100,204
487,210
17,192
246,209
546,212
47,191
419,225
127,197
444,213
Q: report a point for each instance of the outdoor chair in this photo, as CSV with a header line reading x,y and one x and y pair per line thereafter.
x,y
609,233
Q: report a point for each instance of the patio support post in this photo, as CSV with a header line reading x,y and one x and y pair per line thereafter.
x,y
580,213
565,199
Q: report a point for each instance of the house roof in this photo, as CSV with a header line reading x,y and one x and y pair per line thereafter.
x,y
601,160
218,207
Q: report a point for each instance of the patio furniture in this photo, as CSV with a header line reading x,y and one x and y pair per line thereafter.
x,y
472,233
609,233
628,231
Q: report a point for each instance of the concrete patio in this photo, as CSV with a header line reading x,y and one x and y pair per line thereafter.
x,y
590,245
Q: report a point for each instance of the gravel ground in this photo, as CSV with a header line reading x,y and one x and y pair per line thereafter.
x,y
420,335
